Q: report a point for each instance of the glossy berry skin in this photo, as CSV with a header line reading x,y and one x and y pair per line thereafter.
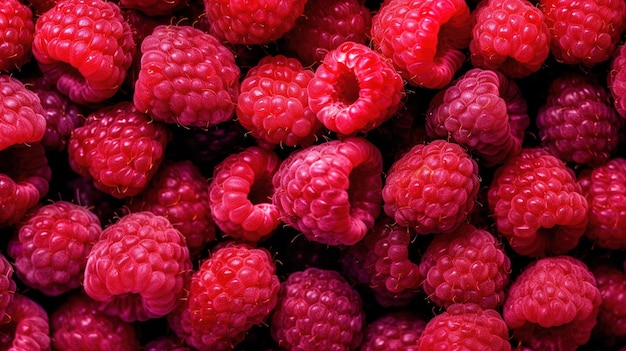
x,y
28,328
17,30
393,331
616,79
21,114
7,287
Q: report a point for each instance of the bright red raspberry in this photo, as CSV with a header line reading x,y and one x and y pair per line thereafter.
x,y
393,331
119,148
178,192
584,32
578,122
616,79
432,187
611,326
51,244
240,194
510,36
154,8
86,47
324,25
468,265
7,288
17,30
252,22
21,114
28,328
331,192
482,110
423,38
465,327
187,77
140,260
317,310
537,204
78,325
354,90
554,300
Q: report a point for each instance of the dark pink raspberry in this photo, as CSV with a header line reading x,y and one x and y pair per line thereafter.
x,y
21,114
423,38
28,328
465,327
142,261
240,194
78,325
584,31
7,288
326,24
393,331
273,103
537,204
86,47
331,192
354,90
432,187
616,79
119,148
187,77
252,22
468,265
154,8
317,310
482,110
554,300
510,36
51,244
611,326
17,30
578,122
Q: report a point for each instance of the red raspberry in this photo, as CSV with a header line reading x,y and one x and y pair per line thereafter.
x,y
465,327
510,36
585,31
17,30
482,110
119,148
154,8
7,288
355,89
578,122
28,328
273,103
432,187
537,204
178,192
252,22
331,192
423,38
317,310
553,301
466,266
393,331
140,260
611,326
324,25
78,325
50,247
187,77
240,194
616,79
85,46
21,114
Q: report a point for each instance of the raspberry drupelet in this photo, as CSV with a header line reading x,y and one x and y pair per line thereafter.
x,y
393,331
28,328
616,79
17,30
7,288
611,326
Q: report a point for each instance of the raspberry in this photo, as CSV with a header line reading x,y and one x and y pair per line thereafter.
x,y
393,331
510,36
7,288
432,187
154,8
317,310
578,122
164,344
240,194
119,148
78,325
141,261
554,300
22,119
85,46
616,79
482,110
28,328
179,193
584,32
611,326
252,22
187,77
355,89
17,30
423,38
537,204
324,25
50,247
331,192
273,103
465,327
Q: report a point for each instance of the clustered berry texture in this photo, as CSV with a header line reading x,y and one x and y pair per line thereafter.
x,y
611,326
28,327
22,116
616,80
17,30
393,331
7,288
423,38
